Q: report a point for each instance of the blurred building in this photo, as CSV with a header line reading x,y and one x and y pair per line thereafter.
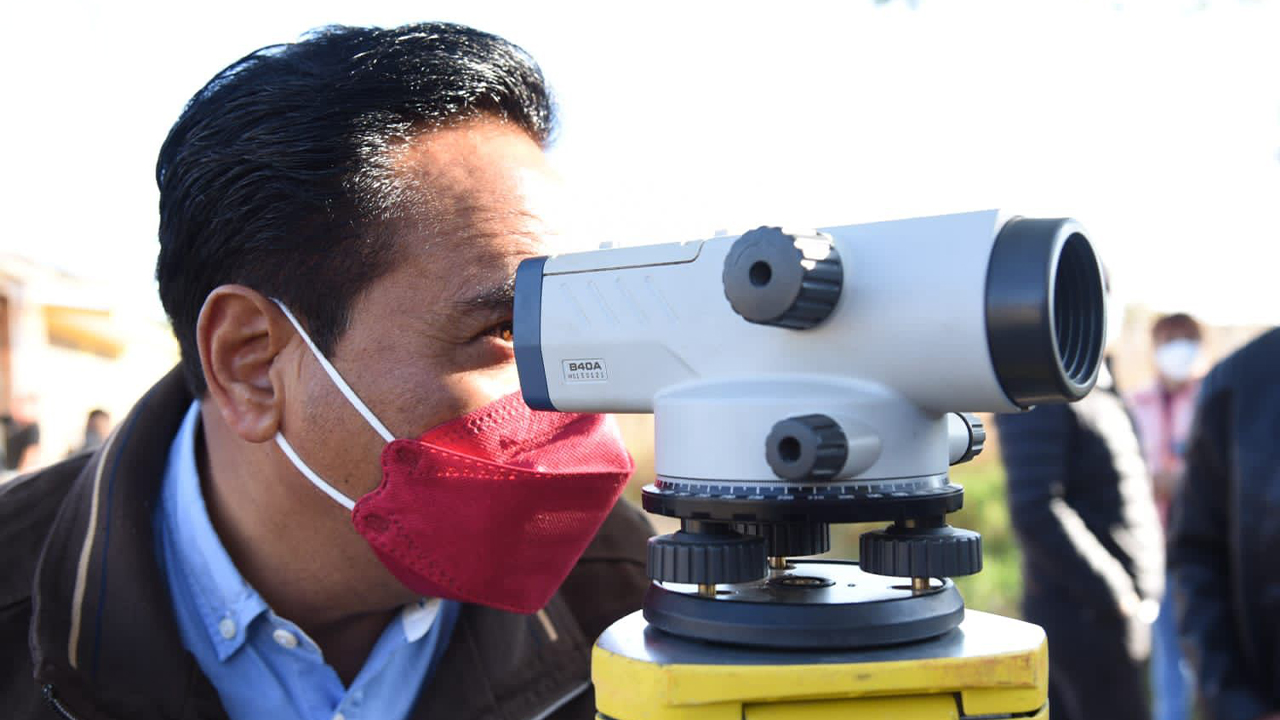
x,y
69,345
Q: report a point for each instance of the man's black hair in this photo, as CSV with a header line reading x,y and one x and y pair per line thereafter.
x,y
1177,324
278,175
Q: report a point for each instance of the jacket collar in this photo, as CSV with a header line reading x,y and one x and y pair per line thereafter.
x,y
508,666
103,632
105,641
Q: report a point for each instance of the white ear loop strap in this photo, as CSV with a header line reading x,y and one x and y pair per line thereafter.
x,y
315,479
343,387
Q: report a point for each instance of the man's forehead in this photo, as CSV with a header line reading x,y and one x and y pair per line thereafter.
x,y
488,191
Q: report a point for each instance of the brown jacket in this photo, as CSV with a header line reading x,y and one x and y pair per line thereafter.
x,y
87,628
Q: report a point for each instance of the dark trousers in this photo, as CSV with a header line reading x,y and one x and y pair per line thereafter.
x,y
1092,675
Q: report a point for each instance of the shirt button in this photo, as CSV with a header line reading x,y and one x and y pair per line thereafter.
x,y
339,716
285,639
227,627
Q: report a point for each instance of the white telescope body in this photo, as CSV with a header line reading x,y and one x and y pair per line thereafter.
x,y
968,312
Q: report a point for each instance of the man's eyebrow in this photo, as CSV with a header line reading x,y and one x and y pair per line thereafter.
x,y
498,297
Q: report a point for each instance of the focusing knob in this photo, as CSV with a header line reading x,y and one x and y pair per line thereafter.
x,y
706,558
806,447
785,279
977,437
921,552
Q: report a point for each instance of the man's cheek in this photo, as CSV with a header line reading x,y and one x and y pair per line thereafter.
x,y
494,383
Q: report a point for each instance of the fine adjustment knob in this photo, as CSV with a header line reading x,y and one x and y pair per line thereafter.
x,y
806,447
921,552
706,558
968,442
781,278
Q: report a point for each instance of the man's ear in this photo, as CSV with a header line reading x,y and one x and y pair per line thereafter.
x,y
239,334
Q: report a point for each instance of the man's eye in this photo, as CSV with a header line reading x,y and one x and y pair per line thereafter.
x,y
502,331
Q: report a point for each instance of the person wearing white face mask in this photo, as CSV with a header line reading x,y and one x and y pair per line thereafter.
x,y
1163,413
1163,410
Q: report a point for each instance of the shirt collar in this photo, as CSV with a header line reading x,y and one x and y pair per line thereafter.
x,y
226,602
417,618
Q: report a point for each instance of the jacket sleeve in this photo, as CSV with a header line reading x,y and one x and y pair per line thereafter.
x,y
1036,449
1199,558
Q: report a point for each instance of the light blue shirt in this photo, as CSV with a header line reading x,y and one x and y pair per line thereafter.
x,y
262,665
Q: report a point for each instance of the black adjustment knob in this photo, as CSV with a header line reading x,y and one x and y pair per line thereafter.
x,y
798,539
806,447
706,558
921,552
784,279
977,437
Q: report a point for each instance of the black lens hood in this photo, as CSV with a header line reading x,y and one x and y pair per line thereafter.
x,y
1045,308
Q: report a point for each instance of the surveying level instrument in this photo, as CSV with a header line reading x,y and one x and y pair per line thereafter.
x,y
800,379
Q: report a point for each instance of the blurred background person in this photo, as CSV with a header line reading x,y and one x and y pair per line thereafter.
x,y
96,429
1093,562
1163,413
1224,536
1164,409
21,433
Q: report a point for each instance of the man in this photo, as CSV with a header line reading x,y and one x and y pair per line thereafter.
x,y
1162,413
1081,506
335,507
1224,538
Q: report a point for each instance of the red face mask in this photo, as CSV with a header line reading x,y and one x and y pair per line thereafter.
x,y
494,507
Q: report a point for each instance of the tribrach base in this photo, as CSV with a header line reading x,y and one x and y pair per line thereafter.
x,y
811,605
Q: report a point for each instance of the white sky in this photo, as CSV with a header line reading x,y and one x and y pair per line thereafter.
x,y
1157,124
